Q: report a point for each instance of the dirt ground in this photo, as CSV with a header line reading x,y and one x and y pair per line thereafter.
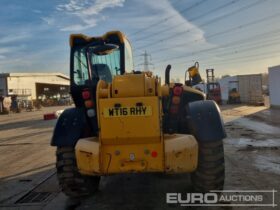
x,y
28,179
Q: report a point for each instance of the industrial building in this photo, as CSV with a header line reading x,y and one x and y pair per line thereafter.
x,y
35,86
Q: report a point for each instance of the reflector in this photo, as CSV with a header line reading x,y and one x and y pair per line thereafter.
x,y
154,154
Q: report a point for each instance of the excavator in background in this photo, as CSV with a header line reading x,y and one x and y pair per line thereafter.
x,y
213,88
125,121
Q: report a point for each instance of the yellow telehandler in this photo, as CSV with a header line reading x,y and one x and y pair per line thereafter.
x,y
125,121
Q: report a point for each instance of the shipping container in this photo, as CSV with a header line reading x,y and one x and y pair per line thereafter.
x,y
248,86
250,89
274,85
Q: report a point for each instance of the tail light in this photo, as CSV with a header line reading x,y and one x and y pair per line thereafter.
x,y
86,94
177,90
89,104
176,100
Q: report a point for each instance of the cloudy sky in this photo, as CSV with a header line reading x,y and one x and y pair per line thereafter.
x,y
231,36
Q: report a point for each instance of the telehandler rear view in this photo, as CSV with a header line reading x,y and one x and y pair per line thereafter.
x,y
125,121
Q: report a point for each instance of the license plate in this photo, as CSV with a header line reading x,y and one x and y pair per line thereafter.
x,y
136,111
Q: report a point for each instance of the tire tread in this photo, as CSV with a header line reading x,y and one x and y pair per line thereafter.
x,y
72,183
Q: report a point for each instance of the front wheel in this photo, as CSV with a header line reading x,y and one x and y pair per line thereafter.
x,y
72,183
210,172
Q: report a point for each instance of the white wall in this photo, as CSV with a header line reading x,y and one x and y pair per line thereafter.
x,y
274,85
22,83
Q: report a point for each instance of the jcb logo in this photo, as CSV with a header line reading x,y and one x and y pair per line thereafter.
x,y
127,111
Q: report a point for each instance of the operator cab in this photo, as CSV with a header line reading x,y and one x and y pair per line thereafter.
x,y
97,58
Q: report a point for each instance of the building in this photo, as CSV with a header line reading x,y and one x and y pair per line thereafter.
x,y
274,86
34,86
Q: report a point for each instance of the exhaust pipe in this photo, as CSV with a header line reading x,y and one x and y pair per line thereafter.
x,y
167,74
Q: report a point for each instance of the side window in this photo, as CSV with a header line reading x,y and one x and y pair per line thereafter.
x,y
114,63
128,57
80,67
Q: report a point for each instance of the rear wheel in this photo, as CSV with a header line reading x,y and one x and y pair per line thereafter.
x,y
210,172
72,183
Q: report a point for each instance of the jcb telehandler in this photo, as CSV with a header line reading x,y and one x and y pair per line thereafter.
x,y
125,121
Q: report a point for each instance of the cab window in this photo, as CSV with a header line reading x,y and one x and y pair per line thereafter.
x,y
80,69
106,66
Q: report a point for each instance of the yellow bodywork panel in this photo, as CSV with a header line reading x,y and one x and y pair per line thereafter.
x,y
132,158
87,156
129,120
128,85
178,154
130,135
133,85
181,153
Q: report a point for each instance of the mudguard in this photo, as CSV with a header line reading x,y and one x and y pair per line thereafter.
x,y
69,127
205,121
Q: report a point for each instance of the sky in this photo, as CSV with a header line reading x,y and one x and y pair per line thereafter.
x,y
232,36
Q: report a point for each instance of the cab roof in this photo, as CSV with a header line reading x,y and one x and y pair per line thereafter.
x,y
81,39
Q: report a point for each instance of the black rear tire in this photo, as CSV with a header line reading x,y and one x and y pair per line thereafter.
x,y
210,172
72,183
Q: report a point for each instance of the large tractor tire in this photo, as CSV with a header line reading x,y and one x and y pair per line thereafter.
x,y
210,172
206,124
72,183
